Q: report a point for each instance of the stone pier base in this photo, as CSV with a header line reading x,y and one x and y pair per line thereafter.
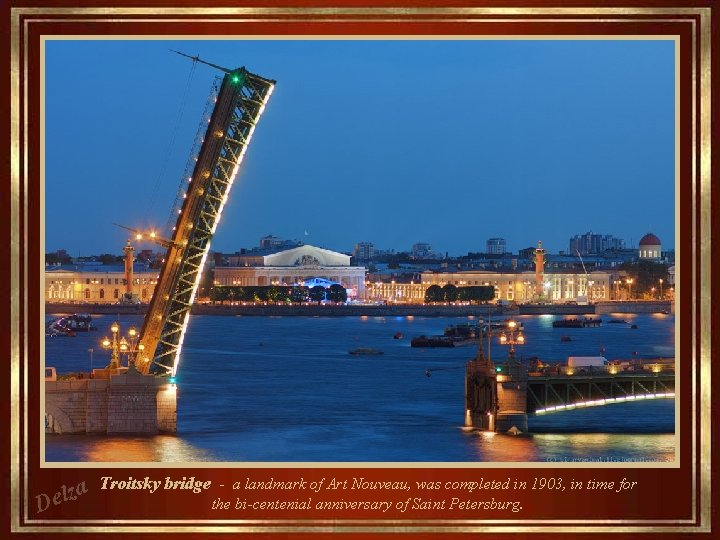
x,y
512,422
122,402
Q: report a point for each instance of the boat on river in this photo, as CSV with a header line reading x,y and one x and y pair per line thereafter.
x,y
587,322
79,322
365,351
432,341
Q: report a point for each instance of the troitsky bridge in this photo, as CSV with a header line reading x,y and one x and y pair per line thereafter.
x,y
140,397
499,398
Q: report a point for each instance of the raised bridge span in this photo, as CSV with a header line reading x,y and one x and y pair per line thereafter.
x,y
142,398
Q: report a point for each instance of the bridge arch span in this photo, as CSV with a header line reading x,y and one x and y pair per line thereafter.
x,y
601,402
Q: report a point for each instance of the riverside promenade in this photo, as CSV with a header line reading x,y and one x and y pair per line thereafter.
x,y
391,310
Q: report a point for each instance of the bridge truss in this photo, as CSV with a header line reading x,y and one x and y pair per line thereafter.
x,y
239,104
550,394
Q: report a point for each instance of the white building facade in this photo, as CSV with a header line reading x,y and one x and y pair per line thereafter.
x,y
295,267
96,284
520,287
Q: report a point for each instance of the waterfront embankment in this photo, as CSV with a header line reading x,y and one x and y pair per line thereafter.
x,y
357,310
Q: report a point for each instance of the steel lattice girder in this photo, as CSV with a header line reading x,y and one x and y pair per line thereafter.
x,y
544,392
240,103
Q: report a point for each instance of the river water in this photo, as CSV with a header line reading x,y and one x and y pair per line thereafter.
x,y
285,389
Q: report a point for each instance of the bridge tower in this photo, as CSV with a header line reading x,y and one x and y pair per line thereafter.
x,y
480,392
239,104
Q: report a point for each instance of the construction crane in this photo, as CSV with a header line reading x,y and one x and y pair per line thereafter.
x,y
239,104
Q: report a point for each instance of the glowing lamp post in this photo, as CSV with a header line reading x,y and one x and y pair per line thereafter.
x,y
661,283
121,345
511,338
629,282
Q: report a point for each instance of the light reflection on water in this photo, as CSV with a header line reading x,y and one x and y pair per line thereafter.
x,y
285,389
160,448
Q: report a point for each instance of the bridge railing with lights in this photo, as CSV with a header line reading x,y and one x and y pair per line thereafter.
x,y
240,103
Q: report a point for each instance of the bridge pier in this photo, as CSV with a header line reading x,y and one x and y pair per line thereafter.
x,y
112,402
496,401
480,393
512,398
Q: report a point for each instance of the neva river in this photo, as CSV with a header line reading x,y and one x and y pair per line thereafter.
x,y
285,389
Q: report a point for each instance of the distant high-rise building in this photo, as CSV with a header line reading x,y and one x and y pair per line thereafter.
x,y
594,244
495,246
270,241
364,251
421,250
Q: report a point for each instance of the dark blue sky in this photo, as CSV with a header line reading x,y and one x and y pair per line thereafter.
x,y
392,142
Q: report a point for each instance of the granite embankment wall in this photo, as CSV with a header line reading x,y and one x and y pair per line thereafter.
x,y
374,310
126,403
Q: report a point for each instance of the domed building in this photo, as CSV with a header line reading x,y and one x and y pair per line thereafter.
x,y
650,247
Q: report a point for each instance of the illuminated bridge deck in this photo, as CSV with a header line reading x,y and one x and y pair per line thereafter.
x,y
563,392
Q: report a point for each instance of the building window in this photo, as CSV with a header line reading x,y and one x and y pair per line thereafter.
x,y
117,281
102,281
87,281
144,293
116,293
102,294
87,294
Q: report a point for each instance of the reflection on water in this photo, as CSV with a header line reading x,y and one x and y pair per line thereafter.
x,y
160,448
573,448
285,389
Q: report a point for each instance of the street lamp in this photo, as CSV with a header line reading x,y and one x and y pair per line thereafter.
x,y
629,282
121,345
511,339
661,282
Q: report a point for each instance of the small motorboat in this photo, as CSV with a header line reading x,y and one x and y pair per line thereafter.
x,y
565,339
365,351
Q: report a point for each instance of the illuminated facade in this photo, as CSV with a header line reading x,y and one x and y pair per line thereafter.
x,y
296,266
97,284
401,293
520,286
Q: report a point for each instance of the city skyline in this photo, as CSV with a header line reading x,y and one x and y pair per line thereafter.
x,y
368,139
286,244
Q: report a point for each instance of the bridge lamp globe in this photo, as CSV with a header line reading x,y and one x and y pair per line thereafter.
x,y
115,328
512,325
520,339
132,332
503,339
123,345
105,343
